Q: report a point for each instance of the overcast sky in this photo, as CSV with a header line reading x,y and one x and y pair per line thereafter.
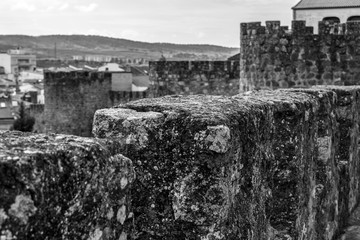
x,y
175,21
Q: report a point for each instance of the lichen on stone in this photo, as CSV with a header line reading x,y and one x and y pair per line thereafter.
x,y
3,216
123,236
22,209
215,138
121,214
324,146
61,186
129,126
96,235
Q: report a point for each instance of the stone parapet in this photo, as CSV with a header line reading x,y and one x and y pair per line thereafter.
x,y
63,187
272,56
194,77
72,99
261,165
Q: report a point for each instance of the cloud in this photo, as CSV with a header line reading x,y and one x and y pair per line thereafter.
x,y
200,35
22,5
258,2
89,8
36,5
64,6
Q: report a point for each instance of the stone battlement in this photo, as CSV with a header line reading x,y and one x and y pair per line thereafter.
x,y
63,187
299,28
194,77
74,77
273,57
262,165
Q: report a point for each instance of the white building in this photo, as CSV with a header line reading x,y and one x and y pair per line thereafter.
x,y
313,11
17,61
111,67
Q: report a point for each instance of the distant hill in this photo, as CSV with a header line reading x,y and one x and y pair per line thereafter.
x,y
66,46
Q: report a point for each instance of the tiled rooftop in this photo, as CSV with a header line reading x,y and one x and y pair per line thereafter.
x,y
306,4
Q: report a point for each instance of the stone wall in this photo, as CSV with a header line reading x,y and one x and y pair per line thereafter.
x,y
263,165
72,99
116,98
274,57
63,187
194,77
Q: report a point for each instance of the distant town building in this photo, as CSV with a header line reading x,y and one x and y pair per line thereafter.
x,y
235,57
78,58
313,11
15,61
111,67
124,78
97,58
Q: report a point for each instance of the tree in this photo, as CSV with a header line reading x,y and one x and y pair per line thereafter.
x,y
25,122
162,58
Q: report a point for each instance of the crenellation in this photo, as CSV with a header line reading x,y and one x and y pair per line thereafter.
x,y
243,29
272,27
74,77
353,28
309,30
72,99
194,77
260,165
284,28
254,28
298,28
300,58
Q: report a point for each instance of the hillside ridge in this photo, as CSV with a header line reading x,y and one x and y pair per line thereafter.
x,y
69,45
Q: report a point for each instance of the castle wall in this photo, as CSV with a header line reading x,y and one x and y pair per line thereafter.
x,y
194,77
117,98
262,165
72,99
274,57
63,187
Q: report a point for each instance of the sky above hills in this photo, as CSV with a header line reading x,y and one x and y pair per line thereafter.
x,y
175,21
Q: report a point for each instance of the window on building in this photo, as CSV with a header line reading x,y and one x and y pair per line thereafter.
x,y
23,61
332,19
24,68
2,105
353,19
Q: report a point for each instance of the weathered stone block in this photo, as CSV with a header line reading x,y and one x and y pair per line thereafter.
x,y
263,165
222,168
63,187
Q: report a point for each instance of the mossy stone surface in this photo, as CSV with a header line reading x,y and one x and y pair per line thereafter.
x,y
63,187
